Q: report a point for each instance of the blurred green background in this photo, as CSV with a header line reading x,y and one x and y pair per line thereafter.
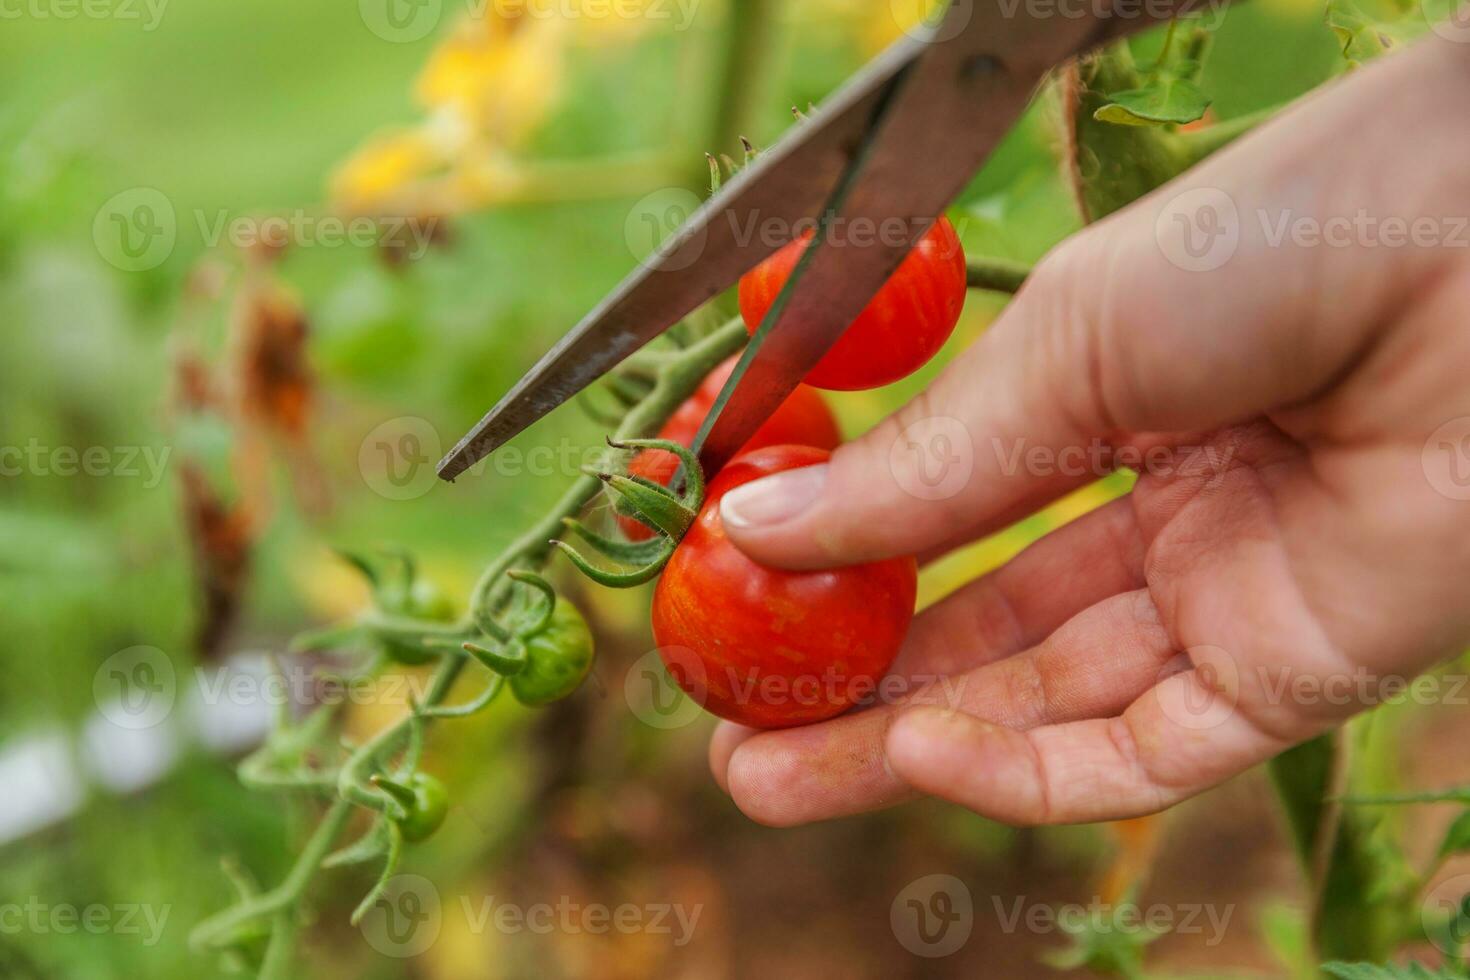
x,y
234,110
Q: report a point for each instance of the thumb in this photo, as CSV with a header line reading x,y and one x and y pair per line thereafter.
x,y
1186,311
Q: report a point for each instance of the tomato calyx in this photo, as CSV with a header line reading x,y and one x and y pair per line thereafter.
x,y
543,653
407,613
422,801
667,513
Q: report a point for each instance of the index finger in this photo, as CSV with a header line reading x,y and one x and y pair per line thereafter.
x,y
1119,331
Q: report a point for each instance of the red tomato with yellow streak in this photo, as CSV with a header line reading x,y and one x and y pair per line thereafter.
x,y
771,648
802,420
900,329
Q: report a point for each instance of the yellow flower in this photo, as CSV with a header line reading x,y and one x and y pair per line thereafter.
x,y
887,22
375,173
486,87
501,73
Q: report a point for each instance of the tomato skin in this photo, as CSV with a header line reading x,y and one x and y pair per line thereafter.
x,y
558,658
900,329
430,805
771,648
803,419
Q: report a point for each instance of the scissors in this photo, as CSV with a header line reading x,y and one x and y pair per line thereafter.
x,y
898,142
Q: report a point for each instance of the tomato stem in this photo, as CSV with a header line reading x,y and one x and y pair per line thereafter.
x,y
999,275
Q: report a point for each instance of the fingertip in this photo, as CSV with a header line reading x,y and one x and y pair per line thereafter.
x,y
727,737
770,519
764,782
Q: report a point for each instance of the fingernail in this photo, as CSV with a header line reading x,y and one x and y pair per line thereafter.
x,y
773,499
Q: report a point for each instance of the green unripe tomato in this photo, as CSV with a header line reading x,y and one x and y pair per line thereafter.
x,y
427,601
558,658
427,810
424,600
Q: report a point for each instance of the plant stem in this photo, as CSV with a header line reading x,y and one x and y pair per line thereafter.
x,y
1200,143
999,275
1111,166
675,378
747,43
286,896
675,381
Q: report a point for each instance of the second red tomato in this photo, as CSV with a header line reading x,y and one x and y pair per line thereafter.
x,y
802,420
900,329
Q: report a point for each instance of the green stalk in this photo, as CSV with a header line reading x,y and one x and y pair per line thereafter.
x,y
1111,166
748,31
676,380
286,896
1200,143
997,275
676,376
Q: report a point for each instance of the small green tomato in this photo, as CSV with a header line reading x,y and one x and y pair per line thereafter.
x,y
558,658
424,799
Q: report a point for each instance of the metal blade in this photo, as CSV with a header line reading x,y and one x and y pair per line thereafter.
x,y
946,114
786,185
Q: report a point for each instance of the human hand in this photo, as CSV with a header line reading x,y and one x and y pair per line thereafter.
x,y
1301,521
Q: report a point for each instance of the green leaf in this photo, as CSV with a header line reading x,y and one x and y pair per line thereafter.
x,y
1371,971
1457,838
1366,34
1106,943
1454,794
1169,99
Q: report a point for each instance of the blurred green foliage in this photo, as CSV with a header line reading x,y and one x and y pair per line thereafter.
x,y
245,108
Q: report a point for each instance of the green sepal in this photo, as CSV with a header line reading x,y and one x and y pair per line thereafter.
x,y
539,615
407,564
630,552
390,868
620,579
492,690
362,565
369,846
658,507
693,496
505,664
245,885
395,789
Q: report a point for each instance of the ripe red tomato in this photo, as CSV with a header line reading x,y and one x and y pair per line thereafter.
x,y
802,420
900,329
771,648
